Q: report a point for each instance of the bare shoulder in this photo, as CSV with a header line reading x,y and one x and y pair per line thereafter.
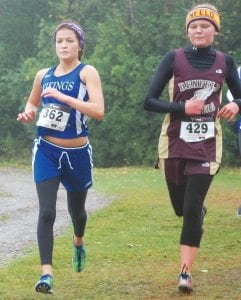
x,y
88,72
38,78
40,74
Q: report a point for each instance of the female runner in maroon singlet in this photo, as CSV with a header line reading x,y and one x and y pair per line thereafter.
x,y
190,144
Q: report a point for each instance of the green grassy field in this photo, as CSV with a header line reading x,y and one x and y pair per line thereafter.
x,y
133,245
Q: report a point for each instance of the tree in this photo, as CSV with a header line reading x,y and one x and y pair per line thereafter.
x,y
125,40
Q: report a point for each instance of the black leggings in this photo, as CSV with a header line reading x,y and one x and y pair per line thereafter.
x,y
187,200
47,195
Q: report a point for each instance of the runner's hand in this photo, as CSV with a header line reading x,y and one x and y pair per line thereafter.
x,y
26,117
228,111
194,106
53,93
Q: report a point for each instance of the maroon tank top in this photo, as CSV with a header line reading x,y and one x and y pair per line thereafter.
x,y
195,137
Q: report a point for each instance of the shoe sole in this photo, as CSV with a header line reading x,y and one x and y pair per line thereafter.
x,y
43,288
185,289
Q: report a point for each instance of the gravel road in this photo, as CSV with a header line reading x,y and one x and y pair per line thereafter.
x,y
19,211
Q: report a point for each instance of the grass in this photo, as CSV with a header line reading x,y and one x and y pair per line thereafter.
x,y
133,245
3,217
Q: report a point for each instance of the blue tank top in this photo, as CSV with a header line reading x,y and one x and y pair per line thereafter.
x,y
69,84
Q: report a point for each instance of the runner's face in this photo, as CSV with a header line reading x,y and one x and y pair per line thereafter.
x,y
67,44
201,33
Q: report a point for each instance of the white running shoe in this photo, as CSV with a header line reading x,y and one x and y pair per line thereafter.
x,y
185,283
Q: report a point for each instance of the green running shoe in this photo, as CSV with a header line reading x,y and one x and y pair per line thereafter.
x,y
45,284
78,258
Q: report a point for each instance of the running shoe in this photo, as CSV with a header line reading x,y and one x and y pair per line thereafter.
x,y
78,258
45,284
185,283
203,214
239,211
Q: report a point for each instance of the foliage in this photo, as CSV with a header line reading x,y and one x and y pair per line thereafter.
x,y
125,40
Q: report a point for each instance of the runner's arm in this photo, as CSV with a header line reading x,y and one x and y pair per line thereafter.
x,y
161,78
31,107
230,110
233,80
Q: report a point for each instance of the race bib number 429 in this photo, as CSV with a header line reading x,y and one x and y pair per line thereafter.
x,y
54,116
196,131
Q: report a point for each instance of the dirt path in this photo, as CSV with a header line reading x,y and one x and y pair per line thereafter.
x,y
19,210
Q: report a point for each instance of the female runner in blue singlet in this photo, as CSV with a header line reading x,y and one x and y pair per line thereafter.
x,y
68,94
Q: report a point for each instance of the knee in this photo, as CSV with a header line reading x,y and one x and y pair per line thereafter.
x,y
47,216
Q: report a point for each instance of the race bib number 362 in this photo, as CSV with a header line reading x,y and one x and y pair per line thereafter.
x,y
53,116
196,131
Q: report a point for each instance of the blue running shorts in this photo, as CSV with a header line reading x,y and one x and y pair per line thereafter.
x,y
73,165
